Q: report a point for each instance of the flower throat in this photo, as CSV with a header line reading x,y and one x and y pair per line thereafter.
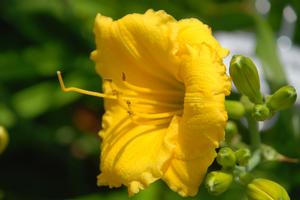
x,y
132,103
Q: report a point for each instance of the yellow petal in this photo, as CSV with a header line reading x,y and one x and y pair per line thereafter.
x,y
201,127
184,177
140,46
194,153
192,31
132,155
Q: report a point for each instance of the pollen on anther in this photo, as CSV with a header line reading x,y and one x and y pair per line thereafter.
x,y
114,92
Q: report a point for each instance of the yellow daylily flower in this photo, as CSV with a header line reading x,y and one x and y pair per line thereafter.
x,y
164,87
165,116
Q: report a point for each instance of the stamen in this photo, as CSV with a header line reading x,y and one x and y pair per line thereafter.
x,y
146,115
81,91
149,91
114,89
137,116
131,101
124,104
136,100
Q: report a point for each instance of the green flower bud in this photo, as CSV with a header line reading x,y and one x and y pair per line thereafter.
x,y
230,130
245,77
261,112
248,105
226,157
218,182
243,155
263,189
283,98
3,139
235,109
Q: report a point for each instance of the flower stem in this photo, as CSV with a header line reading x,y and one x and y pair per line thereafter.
x,y
254,133
255,143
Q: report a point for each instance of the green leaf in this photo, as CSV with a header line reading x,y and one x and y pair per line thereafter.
x,y
7,117
266,50
34,100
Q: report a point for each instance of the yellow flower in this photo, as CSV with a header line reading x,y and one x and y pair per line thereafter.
x,y
169,117
164,87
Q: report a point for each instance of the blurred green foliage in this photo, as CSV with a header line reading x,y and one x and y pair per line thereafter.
x,y
54,148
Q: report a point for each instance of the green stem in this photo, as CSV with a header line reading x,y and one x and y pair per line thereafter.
x,y
255,143
254,133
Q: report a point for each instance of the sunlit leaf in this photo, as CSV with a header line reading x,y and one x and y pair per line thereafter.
x,y
7,117
34,100
267,51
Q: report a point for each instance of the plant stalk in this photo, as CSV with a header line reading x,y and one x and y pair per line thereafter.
x,y
255,143
254,133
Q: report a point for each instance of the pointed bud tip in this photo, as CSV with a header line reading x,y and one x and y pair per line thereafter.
x,y
217,182
283,98
261,112
243,156
226,157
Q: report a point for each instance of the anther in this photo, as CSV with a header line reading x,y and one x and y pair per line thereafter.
x,y
130,112
114,92
108,80
123,76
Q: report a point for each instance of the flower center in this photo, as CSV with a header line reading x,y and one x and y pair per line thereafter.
x,y
130,99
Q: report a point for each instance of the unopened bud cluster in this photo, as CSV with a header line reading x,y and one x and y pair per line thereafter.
x,y
218,182
227,158
246,79
237,165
